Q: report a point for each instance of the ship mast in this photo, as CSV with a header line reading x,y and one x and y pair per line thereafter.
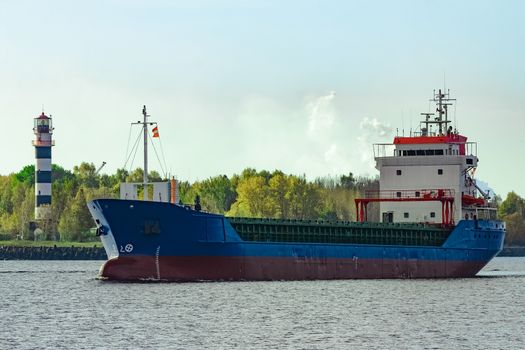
x,y
441,99
145,126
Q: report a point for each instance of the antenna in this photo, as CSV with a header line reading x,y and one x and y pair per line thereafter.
x,y
455,123
403,122
442,99
410,118
425,131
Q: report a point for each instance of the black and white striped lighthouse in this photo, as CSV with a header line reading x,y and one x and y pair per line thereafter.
x,y
43,129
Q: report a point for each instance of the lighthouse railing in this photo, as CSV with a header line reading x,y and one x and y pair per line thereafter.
x,y
42,143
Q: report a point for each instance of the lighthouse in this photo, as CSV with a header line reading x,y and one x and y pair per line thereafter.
x,y
43,129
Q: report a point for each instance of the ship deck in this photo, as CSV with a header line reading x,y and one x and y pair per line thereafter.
x,y
344,232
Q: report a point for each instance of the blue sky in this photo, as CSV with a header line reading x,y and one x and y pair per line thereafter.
x,y
302,86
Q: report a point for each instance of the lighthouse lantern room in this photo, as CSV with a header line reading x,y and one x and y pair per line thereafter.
x,y
43,129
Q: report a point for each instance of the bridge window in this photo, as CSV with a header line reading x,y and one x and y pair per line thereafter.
x,y
405,215
432,214
398,194
398,172
440,171
425,152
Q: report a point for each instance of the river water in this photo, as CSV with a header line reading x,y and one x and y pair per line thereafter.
x,y
60,305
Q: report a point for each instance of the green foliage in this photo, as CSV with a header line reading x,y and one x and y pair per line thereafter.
x,y
136,175
252,199
186,192
512,211
512,204
251,193
217,194
348,181
68,214
85,173
255,193
7,242
27,174
5,237
76,221
61,175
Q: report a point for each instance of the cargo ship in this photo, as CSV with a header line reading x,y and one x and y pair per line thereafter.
x,y
435,222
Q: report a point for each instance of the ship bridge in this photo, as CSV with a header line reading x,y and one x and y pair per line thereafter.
x,y
437,157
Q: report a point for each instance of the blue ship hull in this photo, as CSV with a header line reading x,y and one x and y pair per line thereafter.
x,y
168,242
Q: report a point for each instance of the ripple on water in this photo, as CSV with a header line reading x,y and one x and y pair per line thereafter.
x,y
60,305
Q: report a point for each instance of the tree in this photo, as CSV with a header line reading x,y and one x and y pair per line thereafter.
x,y
136,175
76,220
512,204
26,212
186,192
252,198
251,193
278,189
515,224
119,176
6,194
60,174
348,181
512,211
217,194
27,174
85,173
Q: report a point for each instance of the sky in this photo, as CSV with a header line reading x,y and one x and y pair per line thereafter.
x,y
301,86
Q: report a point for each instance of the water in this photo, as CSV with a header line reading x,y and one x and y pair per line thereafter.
x,y
60,305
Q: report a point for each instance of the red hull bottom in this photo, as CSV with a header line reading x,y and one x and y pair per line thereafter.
x,y
183,269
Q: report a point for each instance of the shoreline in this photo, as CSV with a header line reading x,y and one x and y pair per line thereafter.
x,y
52,253
512,251
98,253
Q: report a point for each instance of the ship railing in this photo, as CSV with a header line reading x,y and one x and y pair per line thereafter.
x,y
486,213
428,134
445,196
471,148
384,150
421,194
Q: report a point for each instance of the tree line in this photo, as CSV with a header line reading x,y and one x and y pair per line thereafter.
x,y
251,193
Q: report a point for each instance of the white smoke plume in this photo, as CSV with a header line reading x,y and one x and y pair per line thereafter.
x,y
372,130
375,126
321,115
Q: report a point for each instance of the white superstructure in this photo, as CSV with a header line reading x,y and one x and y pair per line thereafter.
x,y
427,176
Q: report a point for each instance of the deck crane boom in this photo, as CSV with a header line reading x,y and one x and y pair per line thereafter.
x,y
100,168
